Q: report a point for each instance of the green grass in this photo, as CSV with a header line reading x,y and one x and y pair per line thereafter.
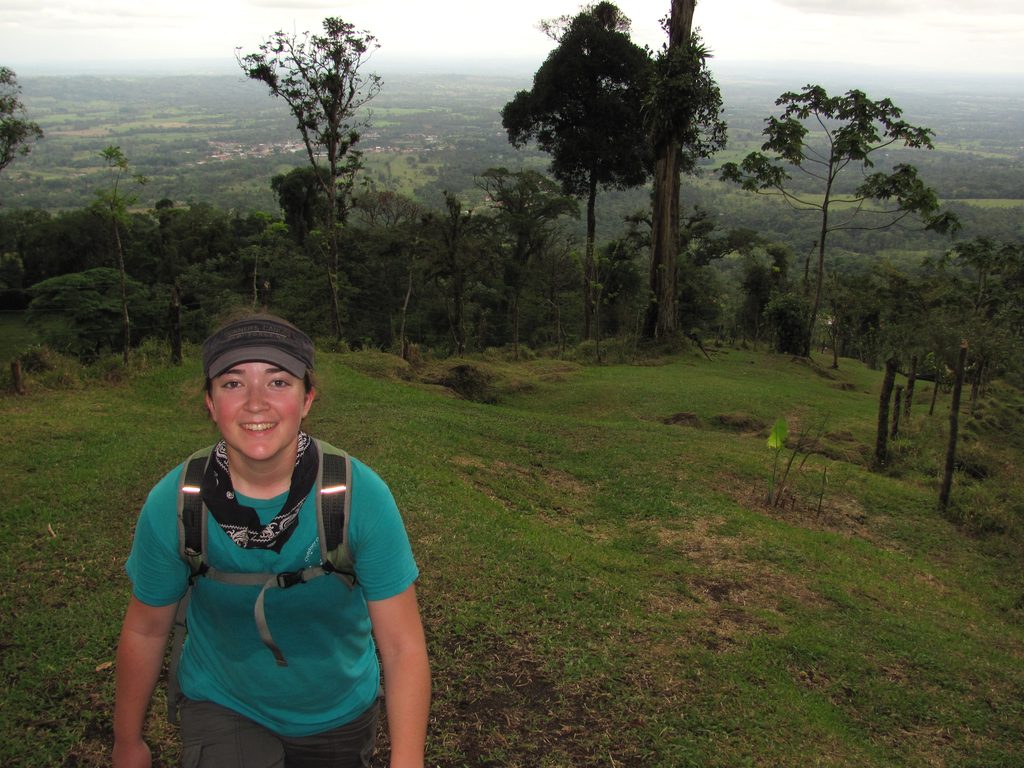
x,y
600,587
990,202
15,336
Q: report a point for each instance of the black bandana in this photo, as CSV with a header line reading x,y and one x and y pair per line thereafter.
x,y
242,524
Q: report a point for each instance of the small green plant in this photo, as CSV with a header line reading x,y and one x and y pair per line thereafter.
x,y
807,444
776,442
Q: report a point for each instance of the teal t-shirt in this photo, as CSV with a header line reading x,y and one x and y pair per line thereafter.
x,y
322,627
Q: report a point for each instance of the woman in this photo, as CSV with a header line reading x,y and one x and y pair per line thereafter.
x,y
317,706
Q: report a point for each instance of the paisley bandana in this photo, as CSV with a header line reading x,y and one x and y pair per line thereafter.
x,y
242,524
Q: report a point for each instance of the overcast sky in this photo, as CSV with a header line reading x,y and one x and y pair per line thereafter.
x,y
976,36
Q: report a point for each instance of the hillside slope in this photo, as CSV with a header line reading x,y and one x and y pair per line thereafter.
x,y
603,584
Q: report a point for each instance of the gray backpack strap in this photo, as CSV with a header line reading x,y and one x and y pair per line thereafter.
x,y
191,546
333,508
174,695
192,513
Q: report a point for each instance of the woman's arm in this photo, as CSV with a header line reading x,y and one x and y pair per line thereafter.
x,y
140,654
403,651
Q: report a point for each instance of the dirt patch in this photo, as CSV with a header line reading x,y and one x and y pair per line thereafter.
x,y
516,486
469,383
740,422
832,511
683,419
496,705
728,598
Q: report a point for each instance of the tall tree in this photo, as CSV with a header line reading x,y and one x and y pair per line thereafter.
x,y
684,113
585,110
320,78
528,204
17,132
823,136
113,203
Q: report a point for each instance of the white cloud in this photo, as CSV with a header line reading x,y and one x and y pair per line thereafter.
x,y
882,9
925,34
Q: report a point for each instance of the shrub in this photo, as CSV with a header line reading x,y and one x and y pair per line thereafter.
x,y
787,315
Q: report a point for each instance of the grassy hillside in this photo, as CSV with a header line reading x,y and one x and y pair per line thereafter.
x,y
602,583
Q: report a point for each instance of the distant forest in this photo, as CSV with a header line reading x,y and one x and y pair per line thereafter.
x,y
219,139
208,226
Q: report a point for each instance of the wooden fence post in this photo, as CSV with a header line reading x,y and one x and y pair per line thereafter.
x,y
16,377
954,425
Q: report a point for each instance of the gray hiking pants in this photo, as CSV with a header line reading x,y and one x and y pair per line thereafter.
x,y
215,737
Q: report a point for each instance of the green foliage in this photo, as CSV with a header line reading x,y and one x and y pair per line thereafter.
x,y
786,315
17,133
301,196
585,111
684,103
823,137
779,435
585,105
776,442
319,78
80,313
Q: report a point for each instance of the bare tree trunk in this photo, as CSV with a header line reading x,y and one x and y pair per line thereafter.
x,y
976,380
402,344
896,410
332,284
833,332
911,381
819,278
882,434
954,426
125,323
662,315
334,250
175,317
589,268
935,389
515,325
17,380
255,287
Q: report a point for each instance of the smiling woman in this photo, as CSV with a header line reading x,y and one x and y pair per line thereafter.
x,y
262,548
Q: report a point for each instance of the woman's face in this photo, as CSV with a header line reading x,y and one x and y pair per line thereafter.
x,y
258,409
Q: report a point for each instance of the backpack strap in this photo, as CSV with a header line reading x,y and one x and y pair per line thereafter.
x,y
191,547
333,505
192,513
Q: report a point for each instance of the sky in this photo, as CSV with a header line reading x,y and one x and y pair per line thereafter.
x,y
916,36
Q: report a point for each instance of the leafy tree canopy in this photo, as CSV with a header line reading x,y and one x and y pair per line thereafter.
x,y
319,77
585,105
17,133
821,136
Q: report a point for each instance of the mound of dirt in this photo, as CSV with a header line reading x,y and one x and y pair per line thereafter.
x,y
469,382
683,419
739,422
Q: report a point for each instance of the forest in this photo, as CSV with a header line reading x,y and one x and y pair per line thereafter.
x,y
210,203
